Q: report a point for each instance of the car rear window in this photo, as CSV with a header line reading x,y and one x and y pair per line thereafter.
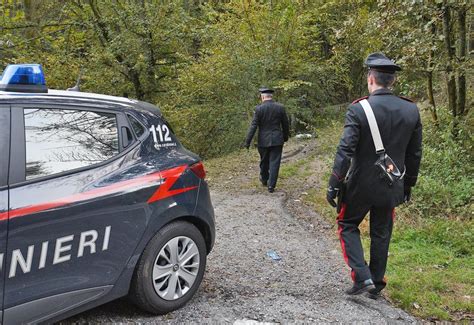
x,y
59,140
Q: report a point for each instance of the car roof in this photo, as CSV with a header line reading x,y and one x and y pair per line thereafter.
x,y
68,96
65,94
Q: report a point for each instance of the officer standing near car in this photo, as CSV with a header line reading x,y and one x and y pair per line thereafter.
x,y
273,130
366,187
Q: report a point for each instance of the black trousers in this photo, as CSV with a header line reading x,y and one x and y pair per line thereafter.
x,y
270,158
381,225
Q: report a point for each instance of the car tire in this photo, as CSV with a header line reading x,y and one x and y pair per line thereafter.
x,y
152,287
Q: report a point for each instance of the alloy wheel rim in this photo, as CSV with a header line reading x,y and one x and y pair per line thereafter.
x,y
176,268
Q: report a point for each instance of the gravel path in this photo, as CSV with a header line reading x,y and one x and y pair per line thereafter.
x,y
242,284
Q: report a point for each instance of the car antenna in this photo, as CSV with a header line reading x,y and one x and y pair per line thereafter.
x,y
77,85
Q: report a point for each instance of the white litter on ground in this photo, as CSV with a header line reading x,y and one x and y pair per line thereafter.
x,y
304,136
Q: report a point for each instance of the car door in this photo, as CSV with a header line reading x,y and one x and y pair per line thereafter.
x,y
4,159
75,210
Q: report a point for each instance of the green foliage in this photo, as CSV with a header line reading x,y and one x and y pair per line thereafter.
x,y
444,186
223,81
124,48
203,61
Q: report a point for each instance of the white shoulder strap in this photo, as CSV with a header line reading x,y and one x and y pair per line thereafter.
x,y
374,128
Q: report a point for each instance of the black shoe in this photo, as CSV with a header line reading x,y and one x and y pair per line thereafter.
x,y
374,293
264,182
374,296
360,287
271,189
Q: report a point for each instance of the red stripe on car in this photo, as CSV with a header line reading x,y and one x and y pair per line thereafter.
x,y
170,176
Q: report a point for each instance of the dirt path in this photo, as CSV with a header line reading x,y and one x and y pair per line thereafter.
x,y
242,283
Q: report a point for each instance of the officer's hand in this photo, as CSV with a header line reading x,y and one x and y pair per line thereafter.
x,y
333,189
244,145
331,195
407,194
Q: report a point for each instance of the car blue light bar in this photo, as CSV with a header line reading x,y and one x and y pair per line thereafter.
x,y
27,78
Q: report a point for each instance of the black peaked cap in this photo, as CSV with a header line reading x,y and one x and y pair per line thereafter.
x,y
378,61
266,90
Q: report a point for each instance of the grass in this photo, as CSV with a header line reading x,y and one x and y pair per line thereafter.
x,y
295,169
431,268
222,170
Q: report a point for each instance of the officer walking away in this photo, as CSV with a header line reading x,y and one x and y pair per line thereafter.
x,y
381,168
273,130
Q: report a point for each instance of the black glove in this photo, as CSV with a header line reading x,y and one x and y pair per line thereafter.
x,y
407,194
333,190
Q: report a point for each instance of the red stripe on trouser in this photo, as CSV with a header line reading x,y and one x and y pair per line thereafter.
x,y
339,231
340,217
393,215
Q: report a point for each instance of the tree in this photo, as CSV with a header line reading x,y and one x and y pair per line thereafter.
x,y
450,76
203,60
462,46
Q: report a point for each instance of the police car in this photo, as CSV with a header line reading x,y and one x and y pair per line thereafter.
x,y
98,200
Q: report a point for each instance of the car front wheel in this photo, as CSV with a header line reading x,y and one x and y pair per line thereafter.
x,y
170,269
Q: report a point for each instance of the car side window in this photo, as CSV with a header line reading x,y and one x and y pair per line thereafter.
x,y
137,127
58,140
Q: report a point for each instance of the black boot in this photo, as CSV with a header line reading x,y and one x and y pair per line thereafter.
x,y
360,287
271,189
264,182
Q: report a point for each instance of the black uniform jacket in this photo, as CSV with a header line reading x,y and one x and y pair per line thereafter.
x,y
272,122
400,128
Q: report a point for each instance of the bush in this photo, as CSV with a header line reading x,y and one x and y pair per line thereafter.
x,y
444,186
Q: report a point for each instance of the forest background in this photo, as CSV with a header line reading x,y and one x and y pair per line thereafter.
x,y
202,62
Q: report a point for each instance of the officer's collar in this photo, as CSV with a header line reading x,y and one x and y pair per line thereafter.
x,y
381,91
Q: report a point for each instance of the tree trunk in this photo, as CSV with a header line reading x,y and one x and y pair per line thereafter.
x,y
431,99
135,79
450,79
429,85
29,17
326,47
461,105
471,34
